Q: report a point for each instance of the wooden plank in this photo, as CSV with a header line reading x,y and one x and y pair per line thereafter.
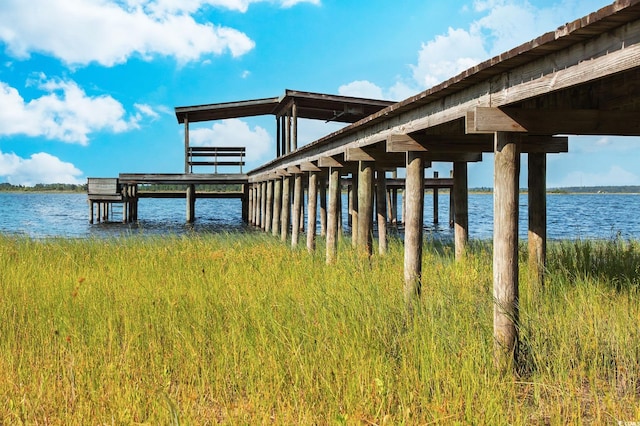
x,y
294,170
490,120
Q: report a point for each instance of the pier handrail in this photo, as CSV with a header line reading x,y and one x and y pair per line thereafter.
x,y
214,156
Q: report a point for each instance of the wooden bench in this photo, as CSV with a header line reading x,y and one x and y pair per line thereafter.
x,y
103,187
214,156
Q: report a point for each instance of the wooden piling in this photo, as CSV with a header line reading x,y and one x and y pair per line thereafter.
x,y
354,209
191,203
537,236
435,201
245,203
460,196
263,204
277,207
295,213
322,192
381,210
268,206
312,203
414,202
286,207
365,207
333,215
505,248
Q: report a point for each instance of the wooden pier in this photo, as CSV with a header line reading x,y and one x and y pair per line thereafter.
x,y
581,79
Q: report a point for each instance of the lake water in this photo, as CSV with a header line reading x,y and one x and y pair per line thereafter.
x,y
569,216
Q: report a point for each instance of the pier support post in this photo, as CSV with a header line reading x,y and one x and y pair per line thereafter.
x,y
259,204
286,207
505,248
333,215
414,204
297,205
381,210
312,203
354,208
277,207
245,203
268,206
460,196
91,204
435,201
322,192
263,204
537,237
365,207
191,203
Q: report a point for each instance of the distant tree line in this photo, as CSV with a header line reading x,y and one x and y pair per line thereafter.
x,y
44,187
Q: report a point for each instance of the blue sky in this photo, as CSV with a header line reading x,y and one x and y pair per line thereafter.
x,y
88,87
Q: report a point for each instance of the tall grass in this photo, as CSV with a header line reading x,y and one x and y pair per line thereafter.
x,y
240,329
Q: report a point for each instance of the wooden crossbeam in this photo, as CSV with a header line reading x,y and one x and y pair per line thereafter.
x,y
490,120
329,162
308,166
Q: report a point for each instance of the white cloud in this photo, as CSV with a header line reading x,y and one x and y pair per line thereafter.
x,y
447,55
361,89
234,132
64,112
367,89
107,32
39,168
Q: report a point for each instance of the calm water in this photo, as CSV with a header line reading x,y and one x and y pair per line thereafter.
x,y
66,215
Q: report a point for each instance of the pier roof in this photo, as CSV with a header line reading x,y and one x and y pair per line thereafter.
x,y
316,106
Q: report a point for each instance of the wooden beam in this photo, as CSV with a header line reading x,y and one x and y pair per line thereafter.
x,y
329,162
294,170
403,143
577,121
308,166
491,120
471,143
358,154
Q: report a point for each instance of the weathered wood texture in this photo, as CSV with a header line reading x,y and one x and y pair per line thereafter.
x,y
414,195
365,207
297,209
537,237
381,210
286,208
505,248
333,214
312,211
460,197
277,207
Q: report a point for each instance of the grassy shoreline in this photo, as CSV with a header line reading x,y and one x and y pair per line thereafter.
x,y
241,329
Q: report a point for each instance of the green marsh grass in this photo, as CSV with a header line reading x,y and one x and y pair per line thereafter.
x,y
240,329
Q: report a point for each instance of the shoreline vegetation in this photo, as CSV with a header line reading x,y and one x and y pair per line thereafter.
x,y
65,187
241,329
